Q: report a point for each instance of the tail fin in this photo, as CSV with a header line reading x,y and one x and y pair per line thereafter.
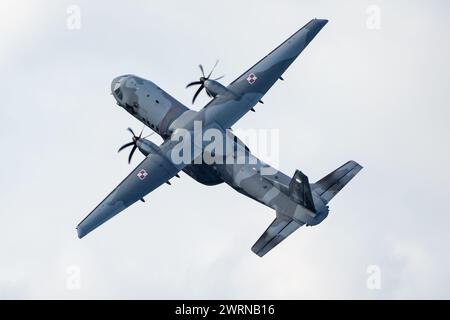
x,y
331,184
300,190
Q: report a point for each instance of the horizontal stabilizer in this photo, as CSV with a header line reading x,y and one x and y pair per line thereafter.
x,y
331,184
278,230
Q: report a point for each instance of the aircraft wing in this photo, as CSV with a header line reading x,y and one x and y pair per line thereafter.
x,y
250,87
156,169
153,171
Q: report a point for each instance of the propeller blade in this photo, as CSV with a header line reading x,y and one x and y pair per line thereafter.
x,y
201,69
196,94
131,153
193,84
151,133
219,78
210,73
132,132
126,145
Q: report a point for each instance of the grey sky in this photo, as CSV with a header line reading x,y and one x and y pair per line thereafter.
x,y
379,97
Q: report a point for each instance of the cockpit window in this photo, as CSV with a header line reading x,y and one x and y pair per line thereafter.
x,y
117,91
116,85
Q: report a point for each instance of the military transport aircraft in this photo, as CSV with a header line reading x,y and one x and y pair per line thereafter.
x,y
295,201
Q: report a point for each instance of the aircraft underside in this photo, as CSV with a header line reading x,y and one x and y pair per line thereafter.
x,y
295,201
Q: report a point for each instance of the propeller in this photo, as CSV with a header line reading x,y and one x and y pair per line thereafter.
x,y
133,143
202,80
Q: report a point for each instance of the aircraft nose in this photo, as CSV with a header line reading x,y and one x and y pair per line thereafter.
x,y
116,85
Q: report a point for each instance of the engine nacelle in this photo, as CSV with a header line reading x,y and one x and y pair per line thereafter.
x,y
215,88
147,147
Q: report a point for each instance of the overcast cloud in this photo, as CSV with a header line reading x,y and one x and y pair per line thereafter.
x,y
377,96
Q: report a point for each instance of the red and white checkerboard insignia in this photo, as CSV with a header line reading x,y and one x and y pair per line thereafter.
x,y
251,78
142,174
